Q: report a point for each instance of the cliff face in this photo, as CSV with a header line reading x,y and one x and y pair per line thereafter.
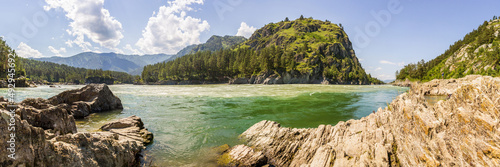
x,y
463,130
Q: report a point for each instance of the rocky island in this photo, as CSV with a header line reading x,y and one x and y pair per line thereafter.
x,y
301,51
46,134
462,130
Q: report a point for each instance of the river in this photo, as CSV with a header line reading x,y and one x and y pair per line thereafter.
x,y
188,120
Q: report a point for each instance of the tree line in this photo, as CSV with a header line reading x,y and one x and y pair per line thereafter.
x,y
52,72
246,62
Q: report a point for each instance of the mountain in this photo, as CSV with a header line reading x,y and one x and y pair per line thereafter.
x,y
214,43
108,61
300,51
477,53
133,64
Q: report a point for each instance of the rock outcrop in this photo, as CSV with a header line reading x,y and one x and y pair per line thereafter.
x,y
45,133
90,99
36,147
463,130
131,129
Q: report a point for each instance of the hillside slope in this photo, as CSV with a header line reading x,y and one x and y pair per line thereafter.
x,y
477,53
288,52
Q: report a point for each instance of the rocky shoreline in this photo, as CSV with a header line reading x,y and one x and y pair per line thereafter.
x,y
463,130
46,134
405,83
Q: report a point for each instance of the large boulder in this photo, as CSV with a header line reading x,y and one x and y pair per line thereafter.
x,y
90,99
463,130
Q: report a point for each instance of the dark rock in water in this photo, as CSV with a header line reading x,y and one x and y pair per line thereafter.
x,y
89,99
99,80
131,129
405,83
463,130
169,82
239,81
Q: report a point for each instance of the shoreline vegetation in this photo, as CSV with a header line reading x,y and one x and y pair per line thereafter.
x,y
408,132
46,134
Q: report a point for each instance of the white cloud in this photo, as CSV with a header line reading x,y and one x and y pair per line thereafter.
x,y
391,63
89,19
360,60
134,51
378,68
245,30
385,77
169,30
26,51
57,52
387,62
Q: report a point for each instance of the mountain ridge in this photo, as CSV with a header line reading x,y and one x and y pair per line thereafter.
x,y
133,64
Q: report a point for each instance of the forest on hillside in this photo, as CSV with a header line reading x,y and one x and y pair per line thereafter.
x,y
245,62
435,68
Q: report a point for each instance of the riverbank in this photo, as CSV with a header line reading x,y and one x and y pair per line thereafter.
x,y
461,131
46,134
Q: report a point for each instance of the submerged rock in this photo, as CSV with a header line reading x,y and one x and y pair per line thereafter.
x,y
461,131
242,155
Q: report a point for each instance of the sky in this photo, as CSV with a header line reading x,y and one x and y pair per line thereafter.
x,y
386,34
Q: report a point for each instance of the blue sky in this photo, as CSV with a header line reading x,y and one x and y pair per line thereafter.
x,y
386,34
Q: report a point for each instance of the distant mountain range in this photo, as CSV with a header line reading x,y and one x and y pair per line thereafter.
x,y
214,43
133,64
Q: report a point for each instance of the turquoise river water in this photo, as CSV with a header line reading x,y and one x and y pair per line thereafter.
x,y
189,120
